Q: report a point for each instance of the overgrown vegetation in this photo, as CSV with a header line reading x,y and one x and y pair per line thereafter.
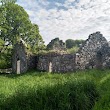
x,y
73,50
73,45
84,90
70,43
15,26
5,60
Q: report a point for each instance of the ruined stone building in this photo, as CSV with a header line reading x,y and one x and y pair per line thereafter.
x,y
91,54
21,61
57,45
57,62
94,53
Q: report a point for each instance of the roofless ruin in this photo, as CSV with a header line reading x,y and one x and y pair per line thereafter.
x,y
94,53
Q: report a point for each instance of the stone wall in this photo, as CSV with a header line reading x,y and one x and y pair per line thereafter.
x,y
88,55
94,53
105,59
27,62
32,62
56,45
19,54
56,62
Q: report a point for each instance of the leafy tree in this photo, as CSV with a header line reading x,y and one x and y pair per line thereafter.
x,y
3,44
78,42
73,43
7,1
70,43
35,41
15,25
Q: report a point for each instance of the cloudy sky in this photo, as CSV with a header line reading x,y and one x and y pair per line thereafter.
x,y
69,19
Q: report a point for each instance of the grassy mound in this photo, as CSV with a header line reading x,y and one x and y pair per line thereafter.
x,y
42,91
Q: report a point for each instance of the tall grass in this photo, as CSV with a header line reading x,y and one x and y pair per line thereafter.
x,y
83,90
104,86
42,91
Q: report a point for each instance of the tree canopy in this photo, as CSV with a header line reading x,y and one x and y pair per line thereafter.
x,y
35,41
16,25
70,43
7,1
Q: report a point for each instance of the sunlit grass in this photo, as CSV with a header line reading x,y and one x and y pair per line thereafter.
x,y
82,90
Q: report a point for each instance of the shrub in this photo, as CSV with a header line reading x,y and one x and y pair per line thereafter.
x,y
73,50
5,60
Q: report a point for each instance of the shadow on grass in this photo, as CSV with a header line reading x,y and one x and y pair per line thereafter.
x,y
94,73
28,73
73,95
32,73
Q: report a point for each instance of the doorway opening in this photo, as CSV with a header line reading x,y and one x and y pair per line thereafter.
x,y
18,66
50,67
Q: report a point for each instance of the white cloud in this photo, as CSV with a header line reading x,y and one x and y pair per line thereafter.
x,y
76,22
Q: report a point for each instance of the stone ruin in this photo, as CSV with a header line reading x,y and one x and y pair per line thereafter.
x,y
56,62
56,45
91,54
21,61
94,53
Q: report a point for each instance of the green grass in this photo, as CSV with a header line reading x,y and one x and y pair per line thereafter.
x,y
73,50
83,90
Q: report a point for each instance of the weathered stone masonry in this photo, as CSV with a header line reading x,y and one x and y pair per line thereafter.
x,y
91,54
94,53
57,62
26,62
19,55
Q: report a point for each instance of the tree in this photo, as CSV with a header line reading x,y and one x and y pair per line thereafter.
x,y
35,41
70,43
7,1
15,25
73,43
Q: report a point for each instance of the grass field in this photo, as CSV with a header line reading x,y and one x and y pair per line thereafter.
x,y
83,90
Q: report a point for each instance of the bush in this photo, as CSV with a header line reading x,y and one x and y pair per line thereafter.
x,y
5,60
73,50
